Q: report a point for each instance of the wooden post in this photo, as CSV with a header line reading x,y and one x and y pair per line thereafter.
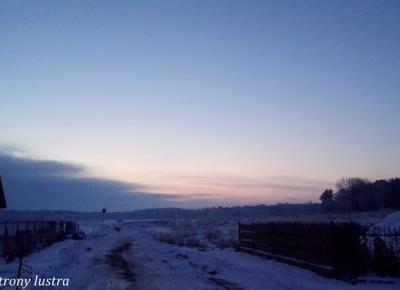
x,y
5,239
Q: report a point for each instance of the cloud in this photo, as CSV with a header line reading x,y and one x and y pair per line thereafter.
x,y
285,184
46,184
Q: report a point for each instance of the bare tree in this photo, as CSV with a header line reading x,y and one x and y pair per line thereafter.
x,y
348,183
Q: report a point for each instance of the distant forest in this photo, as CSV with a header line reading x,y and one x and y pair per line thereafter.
x,y
352,195
356,194
234,213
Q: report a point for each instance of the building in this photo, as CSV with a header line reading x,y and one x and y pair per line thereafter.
x,y
3,203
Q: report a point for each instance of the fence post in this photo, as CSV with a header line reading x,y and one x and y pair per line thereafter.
x,y
5,239
333,250
19,271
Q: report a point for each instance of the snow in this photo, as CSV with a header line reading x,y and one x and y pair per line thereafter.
x,y
390,221
126,255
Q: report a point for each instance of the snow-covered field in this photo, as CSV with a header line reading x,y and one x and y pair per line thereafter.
x,y
167,255
200,234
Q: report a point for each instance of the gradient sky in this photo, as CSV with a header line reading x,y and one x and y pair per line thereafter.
x,y
224,102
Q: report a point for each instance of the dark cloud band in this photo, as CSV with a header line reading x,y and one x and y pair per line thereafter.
x,y
45,184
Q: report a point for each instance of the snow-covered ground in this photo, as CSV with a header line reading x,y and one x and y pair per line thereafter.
x,y
201,234
130,255
391,221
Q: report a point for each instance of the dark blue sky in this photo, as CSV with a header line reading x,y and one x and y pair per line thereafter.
x,y
205,96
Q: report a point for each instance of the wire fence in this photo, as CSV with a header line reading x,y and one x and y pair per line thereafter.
x,y
383,246
19,238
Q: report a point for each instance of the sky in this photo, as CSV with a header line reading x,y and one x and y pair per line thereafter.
x,y
195,103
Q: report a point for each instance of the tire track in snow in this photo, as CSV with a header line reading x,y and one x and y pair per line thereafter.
x,y
116,260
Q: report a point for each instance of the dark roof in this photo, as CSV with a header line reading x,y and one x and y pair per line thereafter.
x,y
3,203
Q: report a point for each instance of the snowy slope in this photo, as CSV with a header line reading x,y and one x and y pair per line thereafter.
x,y
390,221
131,258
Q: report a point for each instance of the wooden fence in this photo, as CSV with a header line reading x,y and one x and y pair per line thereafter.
x,y
19,238
345,250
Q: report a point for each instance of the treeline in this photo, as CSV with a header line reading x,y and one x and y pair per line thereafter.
x,y
233,213
360,194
